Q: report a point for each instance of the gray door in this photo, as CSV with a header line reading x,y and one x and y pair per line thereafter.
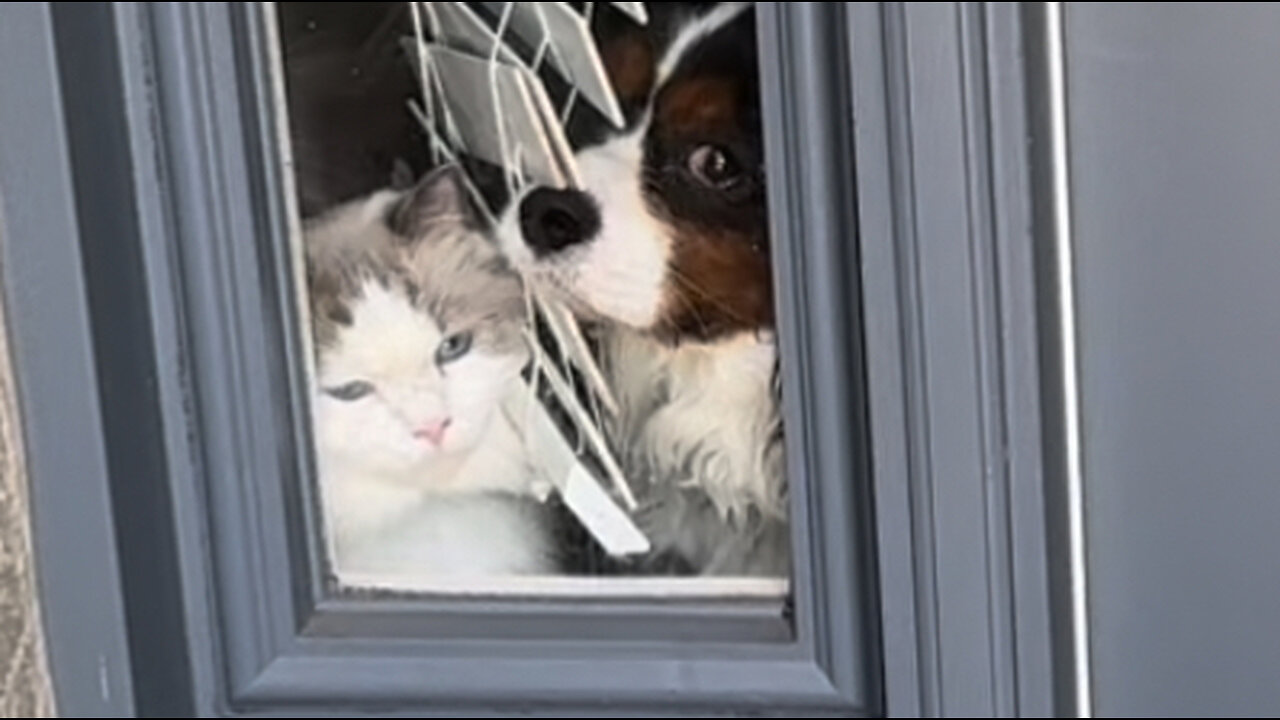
x,y
1174,144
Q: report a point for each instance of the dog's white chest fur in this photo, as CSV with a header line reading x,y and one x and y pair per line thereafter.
x,y
702,415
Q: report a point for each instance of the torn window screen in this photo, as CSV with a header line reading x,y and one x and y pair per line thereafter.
x,y
510,101
483,98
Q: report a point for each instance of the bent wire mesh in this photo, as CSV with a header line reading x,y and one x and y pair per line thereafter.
x,y
539,296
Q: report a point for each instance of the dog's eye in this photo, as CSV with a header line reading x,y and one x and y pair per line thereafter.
x,y
715,167
453,347
351,391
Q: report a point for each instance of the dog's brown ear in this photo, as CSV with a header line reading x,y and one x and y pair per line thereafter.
x,y
629,52
631,61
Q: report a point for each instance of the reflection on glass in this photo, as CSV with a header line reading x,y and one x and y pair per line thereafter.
x,y
539,291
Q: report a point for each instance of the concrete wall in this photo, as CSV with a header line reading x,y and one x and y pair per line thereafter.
x,y
24,676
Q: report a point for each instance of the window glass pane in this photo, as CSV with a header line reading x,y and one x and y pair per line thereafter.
x,y
539,297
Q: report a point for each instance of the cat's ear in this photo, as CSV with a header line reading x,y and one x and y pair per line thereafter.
x,y
440,196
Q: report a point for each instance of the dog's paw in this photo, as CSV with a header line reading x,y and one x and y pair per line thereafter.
x,y
665,511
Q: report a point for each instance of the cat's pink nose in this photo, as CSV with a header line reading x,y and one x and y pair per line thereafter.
x,y
433,431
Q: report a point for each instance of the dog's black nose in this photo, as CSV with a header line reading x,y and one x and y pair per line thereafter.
x,y
553,220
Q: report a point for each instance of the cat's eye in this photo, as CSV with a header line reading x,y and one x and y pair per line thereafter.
x,y
350,391
453,347
715,167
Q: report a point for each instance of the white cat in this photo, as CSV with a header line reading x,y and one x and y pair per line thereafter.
x,y
417,322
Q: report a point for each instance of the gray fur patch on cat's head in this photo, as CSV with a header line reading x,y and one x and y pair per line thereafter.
x,y
439,198
427,243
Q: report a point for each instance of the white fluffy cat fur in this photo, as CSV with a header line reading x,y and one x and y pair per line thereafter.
x,y
417,328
